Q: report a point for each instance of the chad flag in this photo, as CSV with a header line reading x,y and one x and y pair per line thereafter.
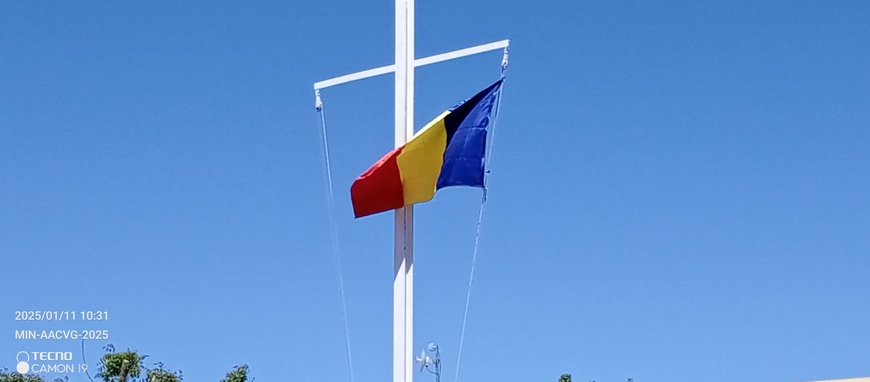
x,y
449,151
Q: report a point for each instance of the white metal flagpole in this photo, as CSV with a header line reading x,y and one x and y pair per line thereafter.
x,y
403,256
403,253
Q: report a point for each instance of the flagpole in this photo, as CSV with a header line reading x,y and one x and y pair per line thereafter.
x,y
403,255
403,252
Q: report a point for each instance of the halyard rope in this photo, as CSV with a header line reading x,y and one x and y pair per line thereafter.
x,y
480,216
330,202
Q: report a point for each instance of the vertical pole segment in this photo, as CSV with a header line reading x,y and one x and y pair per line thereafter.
x,y
409,211
403,257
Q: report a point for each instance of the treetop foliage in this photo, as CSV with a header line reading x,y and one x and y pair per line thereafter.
x,y
239,374
127,367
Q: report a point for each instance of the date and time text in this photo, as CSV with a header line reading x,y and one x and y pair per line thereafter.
x,y
68,316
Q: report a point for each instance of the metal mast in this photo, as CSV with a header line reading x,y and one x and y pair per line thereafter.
x,y
403,253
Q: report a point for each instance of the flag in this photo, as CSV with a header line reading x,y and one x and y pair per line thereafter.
x,y
449,151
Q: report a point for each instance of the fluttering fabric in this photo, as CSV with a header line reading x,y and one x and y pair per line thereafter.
x,y
448,151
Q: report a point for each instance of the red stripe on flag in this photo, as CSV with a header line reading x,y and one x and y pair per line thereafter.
x,y
378,189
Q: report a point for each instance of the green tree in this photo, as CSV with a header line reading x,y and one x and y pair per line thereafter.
x,y
127,367
118,367
162,375
565,378
238,374
6,376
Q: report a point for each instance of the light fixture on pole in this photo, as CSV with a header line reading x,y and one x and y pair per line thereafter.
x,y
430,359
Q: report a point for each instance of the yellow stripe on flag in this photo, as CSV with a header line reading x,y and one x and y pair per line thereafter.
x,y
421,159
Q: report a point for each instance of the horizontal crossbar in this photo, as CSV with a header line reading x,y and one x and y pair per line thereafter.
x,y
418,62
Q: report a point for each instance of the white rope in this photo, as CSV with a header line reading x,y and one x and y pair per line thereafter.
x,y
334,231
480,220
470,283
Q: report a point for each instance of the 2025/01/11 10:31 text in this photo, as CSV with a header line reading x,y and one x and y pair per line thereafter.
x,y
61,315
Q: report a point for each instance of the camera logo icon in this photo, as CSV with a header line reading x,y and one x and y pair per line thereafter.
x,y
23,366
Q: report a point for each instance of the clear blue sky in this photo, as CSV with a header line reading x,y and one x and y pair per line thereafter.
x,y
679,189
